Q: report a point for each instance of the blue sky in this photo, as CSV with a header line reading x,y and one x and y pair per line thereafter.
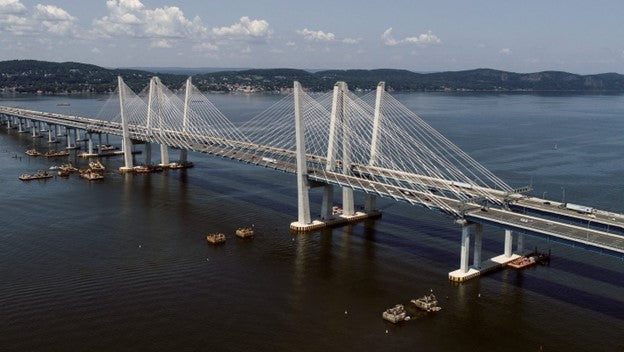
x,y
522,36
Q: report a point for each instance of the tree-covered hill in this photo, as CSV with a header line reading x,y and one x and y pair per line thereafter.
x,y
32,76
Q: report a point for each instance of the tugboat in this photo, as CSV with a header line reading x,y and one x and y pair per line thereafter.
x,y
36,176
56,153
215,238
186,164
428,303
244,232
32,152
91,175
174,166
395,314
530,259
96,166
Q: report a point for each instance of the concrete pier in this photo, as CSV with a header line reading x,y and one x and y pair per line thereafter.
x,y
465,272
339,220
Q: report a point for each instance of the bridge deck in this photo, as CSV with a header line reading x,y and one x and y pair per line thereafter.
x,y
247,152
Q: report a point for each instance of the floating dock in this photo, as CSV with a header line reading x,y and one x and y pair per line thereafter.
x,y
339,220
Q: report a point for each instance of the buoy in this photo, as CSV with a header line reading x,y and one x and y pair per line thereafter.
x,y
407,318
386,331
346,312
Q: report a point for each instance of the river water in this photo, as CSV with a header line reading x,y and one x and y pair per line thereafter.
x,y
123,264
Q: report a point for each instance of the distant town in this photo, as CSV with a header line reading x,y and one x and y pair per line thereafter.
x,y
42,77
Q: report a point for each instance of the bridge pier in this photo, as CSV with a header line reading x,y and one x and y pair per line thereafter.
x,y
479,267
164,155
21,126
370,203
8,122
99,146
148,153
126,142
508,243
520,245
89,144
327,211
183,155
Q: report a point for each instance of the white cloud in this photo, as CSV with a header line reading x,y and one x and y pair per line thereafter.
x,y
205,46
316,36
425,38
505,51
351,40
421,39
132,18
244,29
291,43
11,7
95,51
56,20
161,43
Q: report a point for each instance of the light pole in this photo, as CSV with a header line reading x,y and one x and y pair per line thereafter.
x,y
562,195
544,194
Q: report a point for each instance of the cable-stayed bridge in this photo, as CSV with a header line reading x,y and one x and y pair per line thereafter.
x,y
371,144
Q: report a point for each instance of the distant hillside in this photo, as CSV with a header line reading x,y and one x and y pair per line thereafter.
x,y
69,77
30,76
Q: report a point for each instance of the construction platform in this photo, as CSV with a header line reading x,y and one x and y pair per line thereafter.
x,y
489,265
111,153
339,220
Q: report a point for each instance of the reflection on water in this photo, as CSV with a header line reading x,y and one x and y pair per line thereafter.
x,y
124,263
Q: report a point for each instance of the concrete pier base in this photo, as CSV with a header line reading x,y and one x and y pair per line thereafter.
x,y
339,220
491,264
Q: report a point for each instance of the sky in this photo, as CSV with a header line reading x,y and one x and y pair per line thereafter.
x,y
521,36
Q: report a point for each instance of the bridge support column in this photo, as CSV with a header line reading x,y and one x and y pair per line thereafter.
x,y
327,211
465,248
370,203
520,246
164,155
8,122
183,155
508,243
20,126
303,201
89,144
99,146
50,139
68,136
477,246
34,130
148,153
127,143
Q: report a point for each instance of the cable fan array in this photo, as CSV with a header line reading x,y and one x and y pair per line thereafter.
x,y
401,153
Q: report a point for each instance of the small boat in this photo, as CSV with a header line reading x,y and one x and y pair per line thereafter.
x,y
96,166
54,168
215,238
174,166
36,176
186,164
56,153
336,210
91,175
395,314
522,262
32,152
428,303
64,173
244,232
68,167
105,147
142,169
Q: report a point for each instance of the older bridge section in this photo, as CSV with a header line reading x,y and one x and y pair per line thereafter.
x,y
371,144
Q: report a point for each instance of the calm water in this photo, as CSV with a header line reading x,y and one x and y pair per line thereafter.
x,y
123,264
